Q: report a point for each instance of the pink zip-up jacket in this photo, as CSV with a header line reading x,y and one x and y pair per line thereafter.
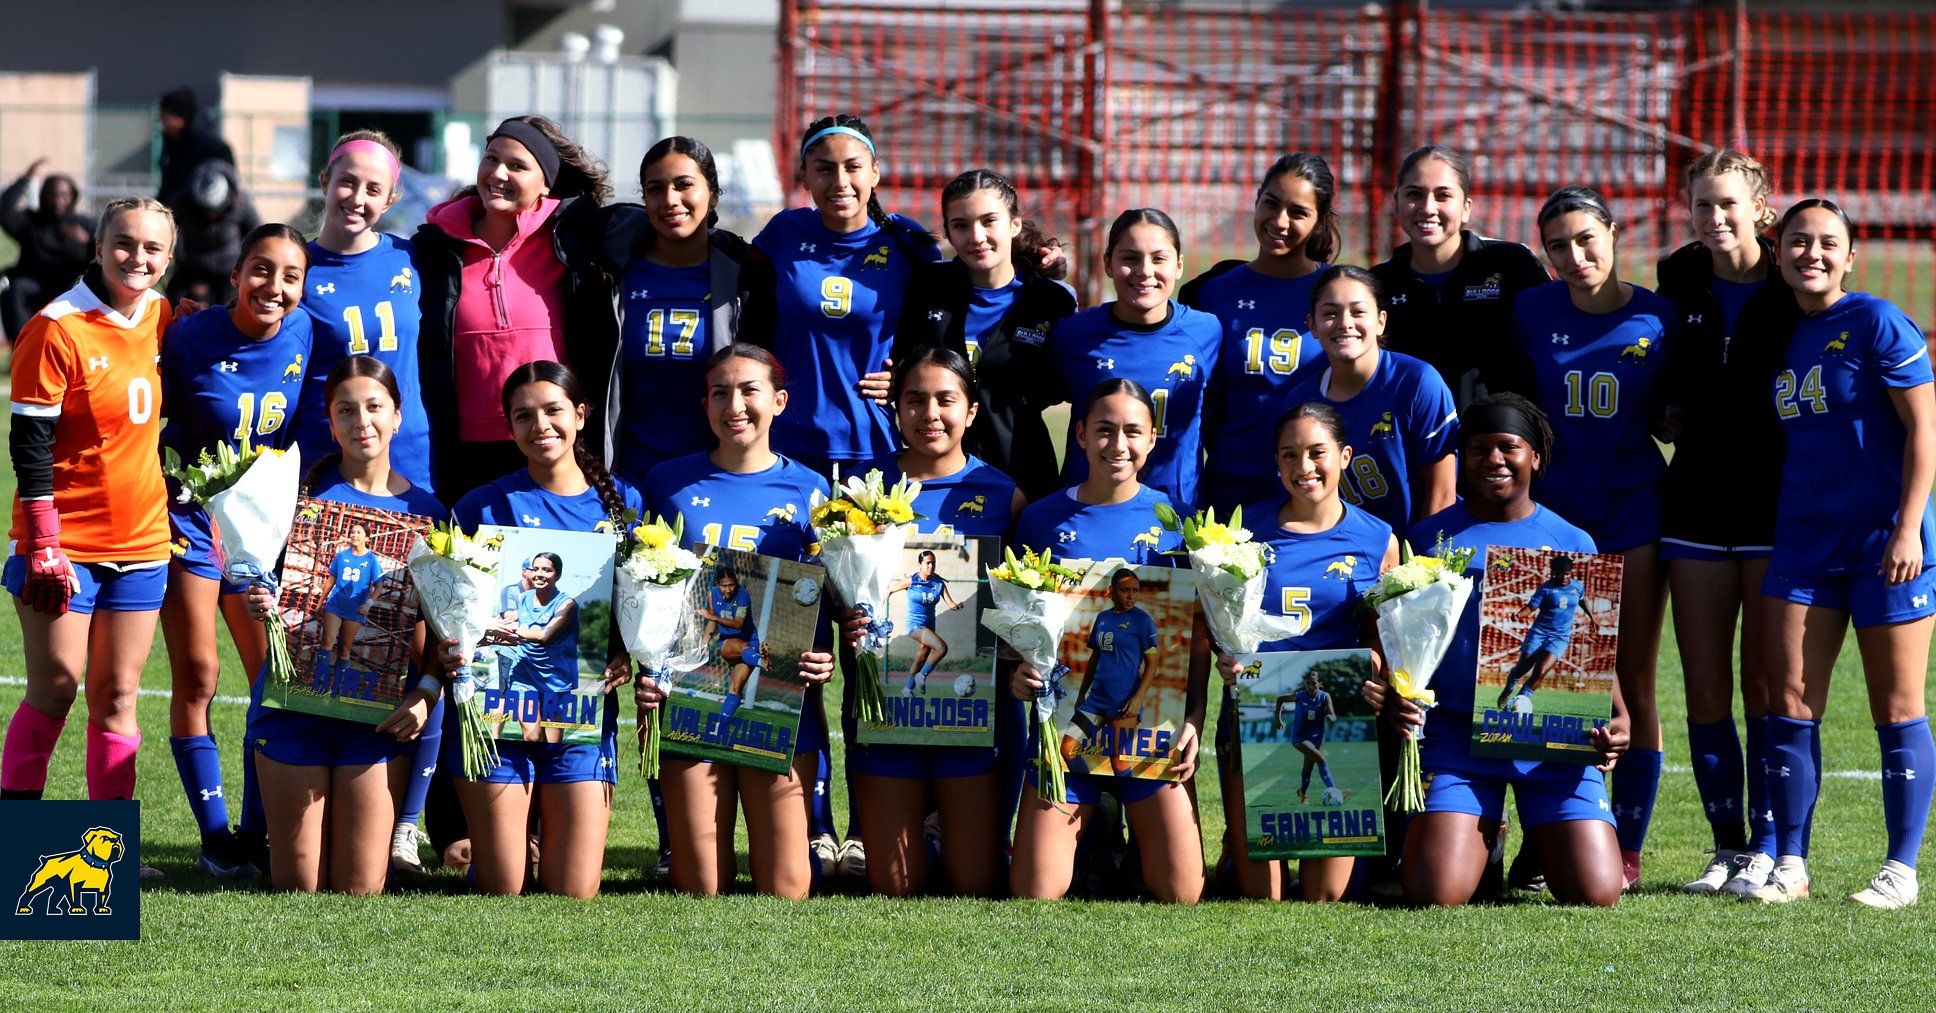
x,y
510,310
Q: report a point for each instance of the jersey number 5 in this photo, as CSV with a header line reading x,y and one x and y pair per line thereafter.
x,y
1296,607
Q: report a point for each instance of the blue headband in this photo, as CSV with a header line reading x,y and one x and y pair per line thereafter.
x,y
849,131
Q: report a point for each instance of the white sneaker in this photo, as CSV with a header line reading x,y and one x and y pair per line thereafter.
x,y
1751,876
405,844
1789,882
1718,871
853,858
1894,887
826,854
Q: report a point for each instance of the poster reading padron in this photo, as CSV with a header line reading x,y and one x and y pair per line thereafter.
x,y
939,680
541,672
1549,628
1120,704
758,614
350,609
1308,749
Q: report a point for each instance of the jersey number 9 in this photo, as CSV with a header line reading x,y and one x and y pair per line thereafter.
x,y
836,296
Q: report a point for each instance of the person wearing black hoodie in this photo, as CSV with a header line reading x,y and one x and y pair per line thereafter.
x,y
56,243
199,183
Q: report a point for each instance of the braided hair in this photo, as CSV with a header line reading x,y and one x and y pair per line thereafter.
x,y
894,229
561,376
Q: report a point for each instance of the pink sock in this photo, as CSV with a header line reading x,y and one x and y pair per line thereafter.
x,y
110,763
31,736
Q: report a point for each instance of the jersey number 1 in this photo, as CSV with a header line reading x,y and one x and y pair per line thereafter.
x,y
360,345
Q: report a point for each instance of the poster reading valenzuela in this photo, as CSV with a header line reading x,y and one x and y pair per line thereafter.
x,y
939,680
1308,750
1549,629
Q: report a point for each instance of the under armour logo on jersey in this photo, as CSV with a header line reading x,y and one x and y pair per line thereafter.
x,y
1906,773
1246,304
209,793
427,771
937,314
809,247
1399,298
702,501
639,294
327,288
530,521
1065,536
1919,601
1562,339
1106,363
97,362
1603,805
228,366
1693,318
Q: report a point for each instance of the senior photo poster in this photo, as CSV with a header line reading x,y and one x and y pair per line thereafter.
x,y
541,671
1307,745
1549,629
939,680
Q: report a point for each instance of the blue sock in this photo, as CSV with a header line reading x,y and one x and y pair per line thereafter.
x,y
1908,764
1636,785
927,669
423,763
1304,784
657,794
1718,776
1011,761
200,765
324,673
853,797
1761,816
730,705
820,816
912,677
253,820
1324,771
1815,756
1794,781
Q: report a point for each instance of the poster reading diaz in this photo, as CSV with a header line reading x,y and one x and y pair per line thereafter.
x,y
1120,704
1549,627
758,614
350,609
1307,747
542,670
939,679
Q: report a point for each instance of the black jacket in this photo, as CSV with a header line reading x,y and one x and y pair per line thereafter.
x,y
1463,327
1724,479
53,250
1017,378
197,143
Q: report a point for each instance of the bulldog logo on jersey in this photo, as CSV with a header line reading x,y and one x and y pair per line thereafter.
x,y
1384,428
785,512
974,506
1836,346
1638,350
400,282
1487,289
1149,537
1035,334
66,879
293,371
1185,369
179,547
876,259
1342,568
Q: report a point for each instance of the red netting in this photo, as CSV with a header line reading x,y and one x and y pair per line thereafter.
x,y
1094,108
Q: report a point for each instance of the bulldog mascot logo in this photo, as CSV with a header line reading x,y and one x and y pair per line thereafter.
x,y
87,870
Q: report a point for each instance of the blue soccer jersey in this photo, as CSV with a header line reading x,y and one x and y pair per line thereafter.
x,y
1308,713
517,501
735,613
924,596
986,308
763,511
663,350
1458,672
1267,349
1118,641
838,300
220,386
355,575
553,665
1597,377
1172,360
975,501
1317,578
1841,482
366,304
1555,607
1071,529
1402,422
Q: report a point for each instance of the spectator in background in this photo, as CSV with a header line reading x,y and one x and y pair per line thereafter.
x,y
200,185
56,243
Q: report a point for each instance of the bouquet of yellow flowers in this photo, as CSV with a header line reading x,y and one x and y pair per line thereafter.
x,y
1031,612
1230,577
655,575
862,530
1418,603
250,496
456,578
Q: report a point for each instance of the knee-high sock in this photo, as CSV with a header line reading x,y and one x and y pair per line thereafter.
x,y
110,763
1794,781
853,797
31,737
1304,778
820,817
1636,784
200,765
1011,761
1908,765
657,792
254,821
1761,815
423,763
1324,771
1718,776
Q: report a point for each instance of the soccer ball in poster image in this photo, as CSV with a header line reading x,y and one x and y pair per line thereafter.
x,y
541,669
939,680
1121,702
757,615
1306,748
350,608
1549,629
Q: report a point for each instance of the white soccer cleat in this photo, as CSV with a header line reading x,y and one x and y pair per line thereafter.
x,y
1751,876
1894,887
1789,882
405,842
826,855
1718,871
853,858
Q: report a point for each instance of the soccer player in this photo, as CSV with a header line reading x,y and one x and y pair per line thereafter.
x,y
1109,514
90,517
993,305
1311,714
1854,388
229,375
1325,554
1553,604
1450,289
1398,414
1266,340
926,594
1718,526
1122,663
562,487
546,627
729,619
1145,336
1563,806
353,573
824,291
362,296
1596,347
743,495
330,786
497,291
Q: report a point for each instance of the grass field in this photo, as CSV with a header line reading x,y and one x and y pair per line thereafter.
x,y
429,946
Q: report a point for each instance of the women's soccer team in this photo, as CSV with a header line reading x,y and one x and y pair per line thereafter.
x,y
539,355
